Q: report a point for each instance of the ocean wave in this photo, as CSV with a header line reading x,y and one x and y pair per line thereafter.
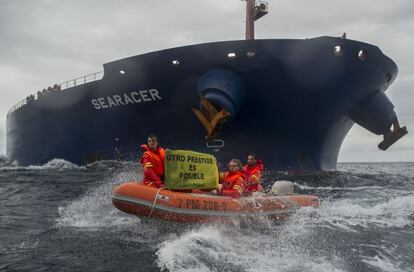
x,y
383,263
278,247
94,209
112,165
333,188
385,168
61,164
394,212
6,163
56,164
226,248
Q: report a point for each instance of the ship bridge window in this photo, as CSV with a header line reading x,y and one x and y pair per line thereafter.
x,y
338,50
175,62
362,54
122,72
250,54
231,55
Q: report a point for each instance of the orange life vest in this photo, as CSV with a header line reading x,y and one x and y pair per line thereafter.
x,y
233,184
253,176
153,159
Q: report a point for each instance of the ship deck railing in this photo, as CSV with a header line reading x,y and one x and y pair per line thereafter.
x,y
81,80
62,86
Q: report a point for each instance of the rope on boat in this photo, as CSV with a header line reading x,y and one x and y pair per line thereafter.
x,y
155,201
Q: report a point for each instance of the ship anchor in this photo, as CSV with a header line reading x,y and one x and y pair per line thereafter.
x,y
393,135
212,119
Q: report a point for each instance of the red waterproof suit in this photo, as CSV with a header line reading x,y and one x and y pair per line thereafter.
x,y
253,176
153,163
233,184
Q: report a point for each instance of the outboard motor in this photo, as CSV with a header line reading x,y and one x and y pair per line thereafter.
x,y
282,187
222,95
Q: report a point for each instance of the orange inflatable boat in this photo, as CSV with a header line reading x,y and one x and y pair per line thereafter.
x,y
143,200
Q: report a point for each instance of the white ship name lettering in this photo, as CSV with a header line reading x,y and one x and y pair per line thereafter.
x,y
125,99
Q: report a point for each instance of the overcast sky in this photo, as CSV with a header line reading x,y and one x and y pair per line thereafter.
x,y
43,42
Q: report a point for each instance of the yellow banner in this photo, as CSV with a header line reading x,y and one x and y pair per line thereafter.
x,y
190,170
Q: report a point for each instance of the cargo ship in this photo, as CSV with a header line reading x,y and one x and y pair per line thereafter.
x,y
290,101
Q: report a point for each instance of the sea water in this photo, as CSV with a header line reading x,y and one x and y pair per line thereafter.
x,y
59,217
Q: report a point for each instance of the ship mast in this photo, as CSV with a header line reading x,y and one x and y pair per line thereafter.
x,y
254,11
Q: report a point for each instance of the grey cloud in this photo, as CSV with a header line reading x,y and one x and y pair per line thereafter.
x,y
45,41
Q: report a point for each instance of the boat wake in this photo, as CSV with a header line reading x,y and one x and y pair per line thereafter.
x,y
335,237
303,243
351,214
94,209
230,248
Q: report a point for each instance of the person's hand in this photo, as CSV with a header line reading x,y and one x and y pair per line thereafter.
x,y
159,183
220,187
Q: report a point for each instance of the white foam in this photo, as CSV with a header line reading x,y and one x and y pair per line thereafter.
x,y
330,188
382,263
94,209
184,252
229,248
56,164
291,246
112,164
6,164
61,164
394,212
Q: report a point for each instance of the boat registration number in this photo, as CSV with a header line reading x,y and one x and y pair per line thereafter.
x,y
202,204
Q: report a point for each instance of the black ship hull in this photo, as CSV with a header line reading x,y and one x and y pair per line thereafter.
x,y
292,102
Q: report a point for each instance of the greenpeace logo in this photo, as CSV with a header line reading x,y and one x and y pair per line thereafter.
x,y
125,99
